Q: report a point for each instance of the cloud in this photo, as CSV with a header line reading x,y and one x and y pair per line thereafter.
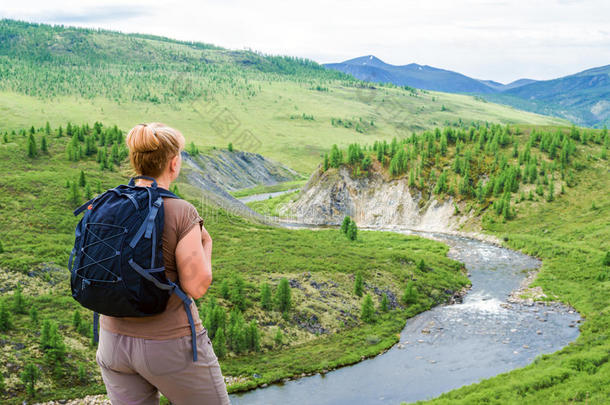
x,y
88,15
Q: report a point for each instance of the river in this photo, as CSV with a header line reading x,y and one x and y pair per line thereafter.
x,y
448,346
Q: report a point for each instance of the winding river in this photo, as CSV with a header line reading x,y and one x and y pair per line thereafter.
x,y
448,346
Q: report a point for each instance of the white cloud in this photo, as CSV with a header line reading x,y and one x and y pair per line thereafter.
x,y
503,41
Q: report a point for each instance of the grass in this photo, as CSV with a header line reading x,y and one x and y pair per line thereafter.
x,y
286,185
38,236
265,118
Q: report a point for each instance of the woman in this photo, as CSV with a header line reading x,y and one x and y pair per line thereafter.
x,y
139,357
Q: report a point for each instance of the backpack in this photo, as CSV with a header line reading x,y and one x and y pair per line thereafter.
x,y
116,264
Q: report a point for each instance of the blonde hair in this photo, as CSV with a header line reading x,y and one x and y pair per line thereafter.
x,y
152,146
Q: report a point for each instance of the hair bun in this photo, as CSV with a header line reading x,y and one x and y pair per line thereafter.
x,y
142,138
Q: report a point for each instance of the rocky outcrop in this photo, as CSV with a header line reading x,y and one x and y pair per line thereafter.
x,y
238,169
221,170
371,201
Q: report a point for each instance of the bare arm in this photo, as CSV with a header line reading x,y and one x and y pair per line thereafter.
x,y
194,262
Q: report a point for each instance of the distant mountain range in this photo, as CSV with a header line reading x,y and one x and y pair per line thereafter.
x,y
583,98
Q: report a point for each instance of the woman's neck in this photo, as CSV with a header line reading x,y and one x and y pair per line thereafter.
x,y
161,182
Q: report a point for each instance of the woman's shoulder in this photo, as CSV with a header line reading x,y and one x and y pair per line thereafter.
x,y
180,209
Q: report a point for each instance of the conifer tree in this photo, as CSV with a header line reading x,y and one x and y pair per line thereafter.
x,y
76,319
345,224
43,144
224,289
253,337
336,157
358,284
385,305
326,162
75,196
367,313
34,316
230,147
29,377
32,150
265,297
220,344
5,318
1,247
410,294
352,231
18,301
278,338
283,296
47,128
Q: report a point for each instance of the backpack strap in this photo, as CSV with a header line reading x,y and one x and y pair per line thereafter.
x,y
132,181
186,300
172,288
96,320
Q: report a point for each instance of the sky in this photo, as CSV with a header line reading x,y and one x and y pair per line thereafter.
x,y
485,39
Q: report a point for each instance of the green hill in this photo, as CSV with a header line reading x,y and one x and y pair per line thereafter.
x,y
288,109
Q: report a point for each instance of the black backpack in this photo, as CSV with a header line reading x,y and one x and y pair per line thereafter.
x,y
116,264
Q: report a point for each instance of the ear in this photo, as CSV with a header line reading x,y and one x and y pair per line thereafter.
x,y
173,164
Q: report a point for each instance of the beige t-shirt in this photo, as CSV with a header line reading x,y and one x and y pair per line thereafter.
x,y
180,217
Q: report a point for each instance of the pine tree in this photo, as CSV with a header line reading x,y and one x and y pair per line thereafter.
x,y
76,319
352,231
253,337
278,339
29,377
47,128
385,305
18,301
358,285
421,265
236,293
43,144
220,344
32,150
367,314
606,260
81,179
345,224
410,294
34,316
1,247
265,297
283,296
5,318
75,197
230,147
88,192
336,157
326,162
224,289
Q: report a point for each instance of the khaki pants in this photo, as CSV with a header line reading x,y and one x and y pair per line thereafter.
x,y
135,370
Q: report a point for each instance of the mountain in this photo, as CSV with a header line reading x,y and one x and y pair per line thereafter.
x,y
582,98
373,69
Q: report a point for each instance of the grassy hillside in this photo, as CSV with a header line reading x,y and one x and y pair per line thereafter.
x,y
40,191
543,191
571,237
288,109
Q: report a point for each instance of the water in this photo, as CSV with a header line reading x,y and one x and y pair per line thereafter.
x,y
460,344
265,196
